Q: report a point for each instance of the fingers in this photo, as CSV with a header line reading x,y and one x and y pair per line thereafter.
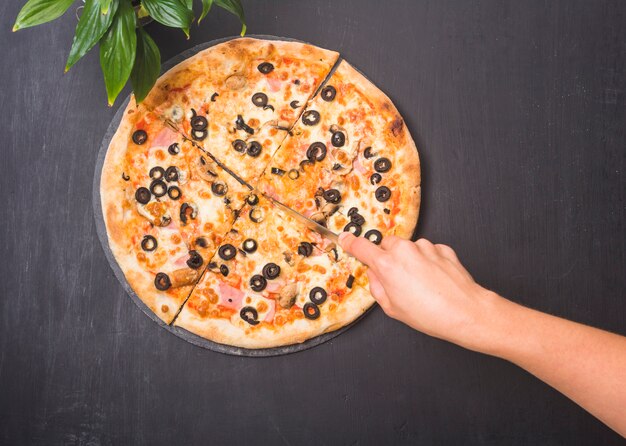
x,y
390,242
361,248
447,252
378,291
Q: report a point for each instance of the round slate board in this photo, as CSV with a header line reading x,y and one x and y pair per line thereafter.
x,y
102,235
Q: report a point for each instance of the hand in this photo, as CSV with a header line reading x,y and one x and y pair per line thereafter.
x,y
425,286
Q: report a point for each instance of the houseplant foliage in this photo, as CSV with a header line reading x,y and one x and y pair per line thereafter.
x,y
126,49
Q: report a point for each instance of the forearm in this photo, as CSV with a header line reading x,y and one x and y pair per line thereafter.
x,y
586,364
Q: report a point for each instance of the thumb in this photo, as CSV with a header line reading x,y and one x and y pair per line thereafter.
x,y
360,247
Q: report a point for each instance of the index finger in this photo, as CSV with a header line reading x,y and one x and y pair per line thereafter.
x,y
361,248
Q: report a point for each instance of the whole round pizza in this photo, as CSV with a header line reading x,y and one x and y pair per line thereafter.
x,y
298,124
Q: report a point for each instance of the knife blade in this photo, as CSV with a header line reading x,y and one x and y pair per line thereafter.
x,y
311,224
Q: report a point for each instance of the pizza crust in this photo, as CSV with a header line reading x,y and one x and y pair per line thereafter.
x,y
244,335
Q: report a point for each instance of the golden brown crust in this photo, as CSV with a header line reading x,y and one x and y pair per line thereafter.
x,y
241,334
398,136
116,209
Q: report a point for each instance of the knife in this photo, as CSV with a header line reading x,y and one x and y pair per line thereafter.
x,y
306,221
311,224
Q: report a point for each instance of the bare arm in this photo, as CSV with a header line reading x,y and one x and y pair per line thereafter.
x,y
426,287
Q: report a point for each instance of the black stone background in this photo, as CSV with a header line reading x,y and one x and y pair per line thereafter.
x,y
518,109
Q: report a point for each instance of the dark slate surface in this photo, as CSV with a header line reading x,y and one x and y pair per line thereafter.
x,y
518,109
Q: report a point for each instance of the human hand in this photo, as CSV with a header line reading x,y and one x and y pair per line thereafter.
x,y
425,286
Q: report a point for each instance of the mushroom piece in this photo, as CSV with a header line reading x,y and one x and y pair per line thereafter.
x,y
236,82
184,276
287,295
175,113
329,209
155,212
319,218
205,168
342,160
289,258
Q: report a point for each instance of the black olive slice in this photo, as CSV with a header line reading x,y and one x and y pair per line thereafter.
x,y
258,283
328,93
265,67
311,311
186,211
199,135
162,282
249,245
297,81
156,173
201,242
212,265
318,295
305,249
259,99
374,236
252,200
382,165
367,153
174,192
149,243
351,211
199,123
140,137
219,188
353,228
387,211
158,188
316,151
271,107
227,251
271,271
350,281
173,149
338,139
310,117
357,218
383,194
376,178
171,174
293,174
254,149
294,104
142,195
214,96
195,260
304,164
125,177
335,254
240,124
278,171
239,145
256,215
250,315
224,270
332,196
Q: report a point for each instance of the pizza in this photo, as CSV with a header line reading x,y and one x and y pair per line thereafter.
x,y
189,177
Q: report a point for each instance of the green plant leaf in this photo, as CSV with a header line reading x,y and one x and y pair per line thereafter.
x,y
91,27
234,7
104,6
173,13
36,12
147,65
206,7
188,4
117,50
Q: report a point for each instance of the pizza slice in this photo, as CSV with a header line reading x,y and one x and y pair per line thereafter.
x,y
350,162
166,209
239,99
273,282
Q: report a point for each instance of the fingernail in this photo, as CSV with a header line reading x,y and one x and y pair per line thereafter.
x,y
342,237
